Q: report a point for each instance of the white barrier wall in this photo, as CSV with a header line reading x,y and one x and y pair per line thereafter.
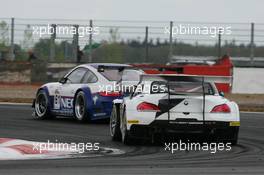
x,y
248,80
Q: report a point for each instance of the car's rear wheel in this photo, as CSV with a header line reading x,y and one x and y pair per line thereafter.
x,y
228,136
80,107
234,141
126,138
115,124
41,106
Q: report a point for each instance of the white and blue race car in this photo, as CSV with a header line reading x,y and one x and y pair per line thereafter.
x,y
163,105
86,92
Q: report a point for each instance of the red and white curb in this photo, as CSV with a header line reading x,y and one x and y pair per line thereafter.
x,y
16,149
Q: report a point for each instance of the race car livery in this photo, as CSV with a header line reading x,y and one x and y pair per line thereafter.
x,y
84,93
175,104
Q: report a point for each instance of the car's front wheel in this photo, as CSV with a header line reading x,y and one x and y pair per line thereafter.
x,y
80,107
41,106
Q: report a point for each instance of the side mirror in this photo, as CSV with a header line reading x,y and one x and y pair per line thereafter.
x,y
221,93
63,80
101,68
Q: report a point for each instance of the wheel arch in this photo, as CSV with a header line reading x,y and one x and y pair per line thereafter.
x,y
235,108
49,102
119,103
46,90
89,100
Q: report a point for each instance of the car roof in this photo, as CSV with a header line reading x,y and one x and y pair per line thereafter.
x,y
95,65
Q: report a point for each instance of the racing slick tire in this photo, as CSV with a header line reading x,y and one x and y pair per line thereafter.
x,y
80,107
234,141
230,137
115,131
126,137
41,103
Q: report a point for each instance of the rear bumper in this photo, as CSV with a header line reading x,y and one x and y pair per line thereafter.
x,y
227,130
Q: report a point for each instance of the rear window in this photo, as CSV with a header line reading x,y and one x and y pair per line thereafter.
x,y
125,75
181,87
111,74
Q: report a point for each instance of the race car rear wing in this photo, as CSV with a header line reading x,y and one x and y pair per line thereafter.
x,y
185,77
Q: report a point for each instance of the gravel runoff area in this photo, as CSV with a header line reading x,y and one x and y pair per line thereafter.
x,y
24,93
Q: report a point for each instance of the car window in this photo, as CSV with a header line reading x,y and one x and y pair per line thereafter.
x,y
89,77
117,75
131,75
76,75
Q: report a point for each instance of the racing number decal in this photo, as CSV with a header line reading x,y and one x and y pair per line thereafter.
x,y
57,99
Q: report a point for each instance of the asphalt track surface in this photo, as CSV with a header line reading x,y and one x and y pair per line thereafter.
x,y
16,122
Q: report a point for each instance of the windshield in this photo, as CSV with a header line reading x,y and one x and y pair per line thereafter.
x,y
181,87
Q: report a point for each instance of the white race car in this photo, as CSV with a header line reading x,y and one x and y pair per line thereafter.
x,y
175,104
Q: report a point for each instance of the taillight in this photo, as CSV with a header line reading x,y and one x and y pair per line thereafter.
x,y
148,107
109,94
223,108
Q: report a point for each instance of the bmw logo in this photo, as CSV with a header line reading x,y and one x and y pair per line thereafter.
x,y
185,103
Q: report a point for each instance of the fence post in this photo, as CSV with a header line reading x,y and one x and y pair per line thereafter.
x,y
171,48
90,43
76,43
52,42
146,44
252,44
219,46
12,39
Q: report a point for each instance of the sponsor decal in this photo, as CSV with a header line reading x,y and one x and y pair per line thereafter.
x,y
166,105
62,102
95,98
67,103
133,121
234,124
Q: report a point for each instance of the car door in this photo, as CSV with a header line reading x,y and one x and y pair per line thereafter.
x,y
90,80
64,94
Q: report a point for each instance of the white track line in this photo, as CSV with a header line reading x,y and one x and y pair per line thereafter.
x,y
10,103
248,112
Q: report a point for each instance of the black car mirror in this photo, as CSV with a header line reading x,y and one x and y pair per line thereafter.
x,y
221,93
63,80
